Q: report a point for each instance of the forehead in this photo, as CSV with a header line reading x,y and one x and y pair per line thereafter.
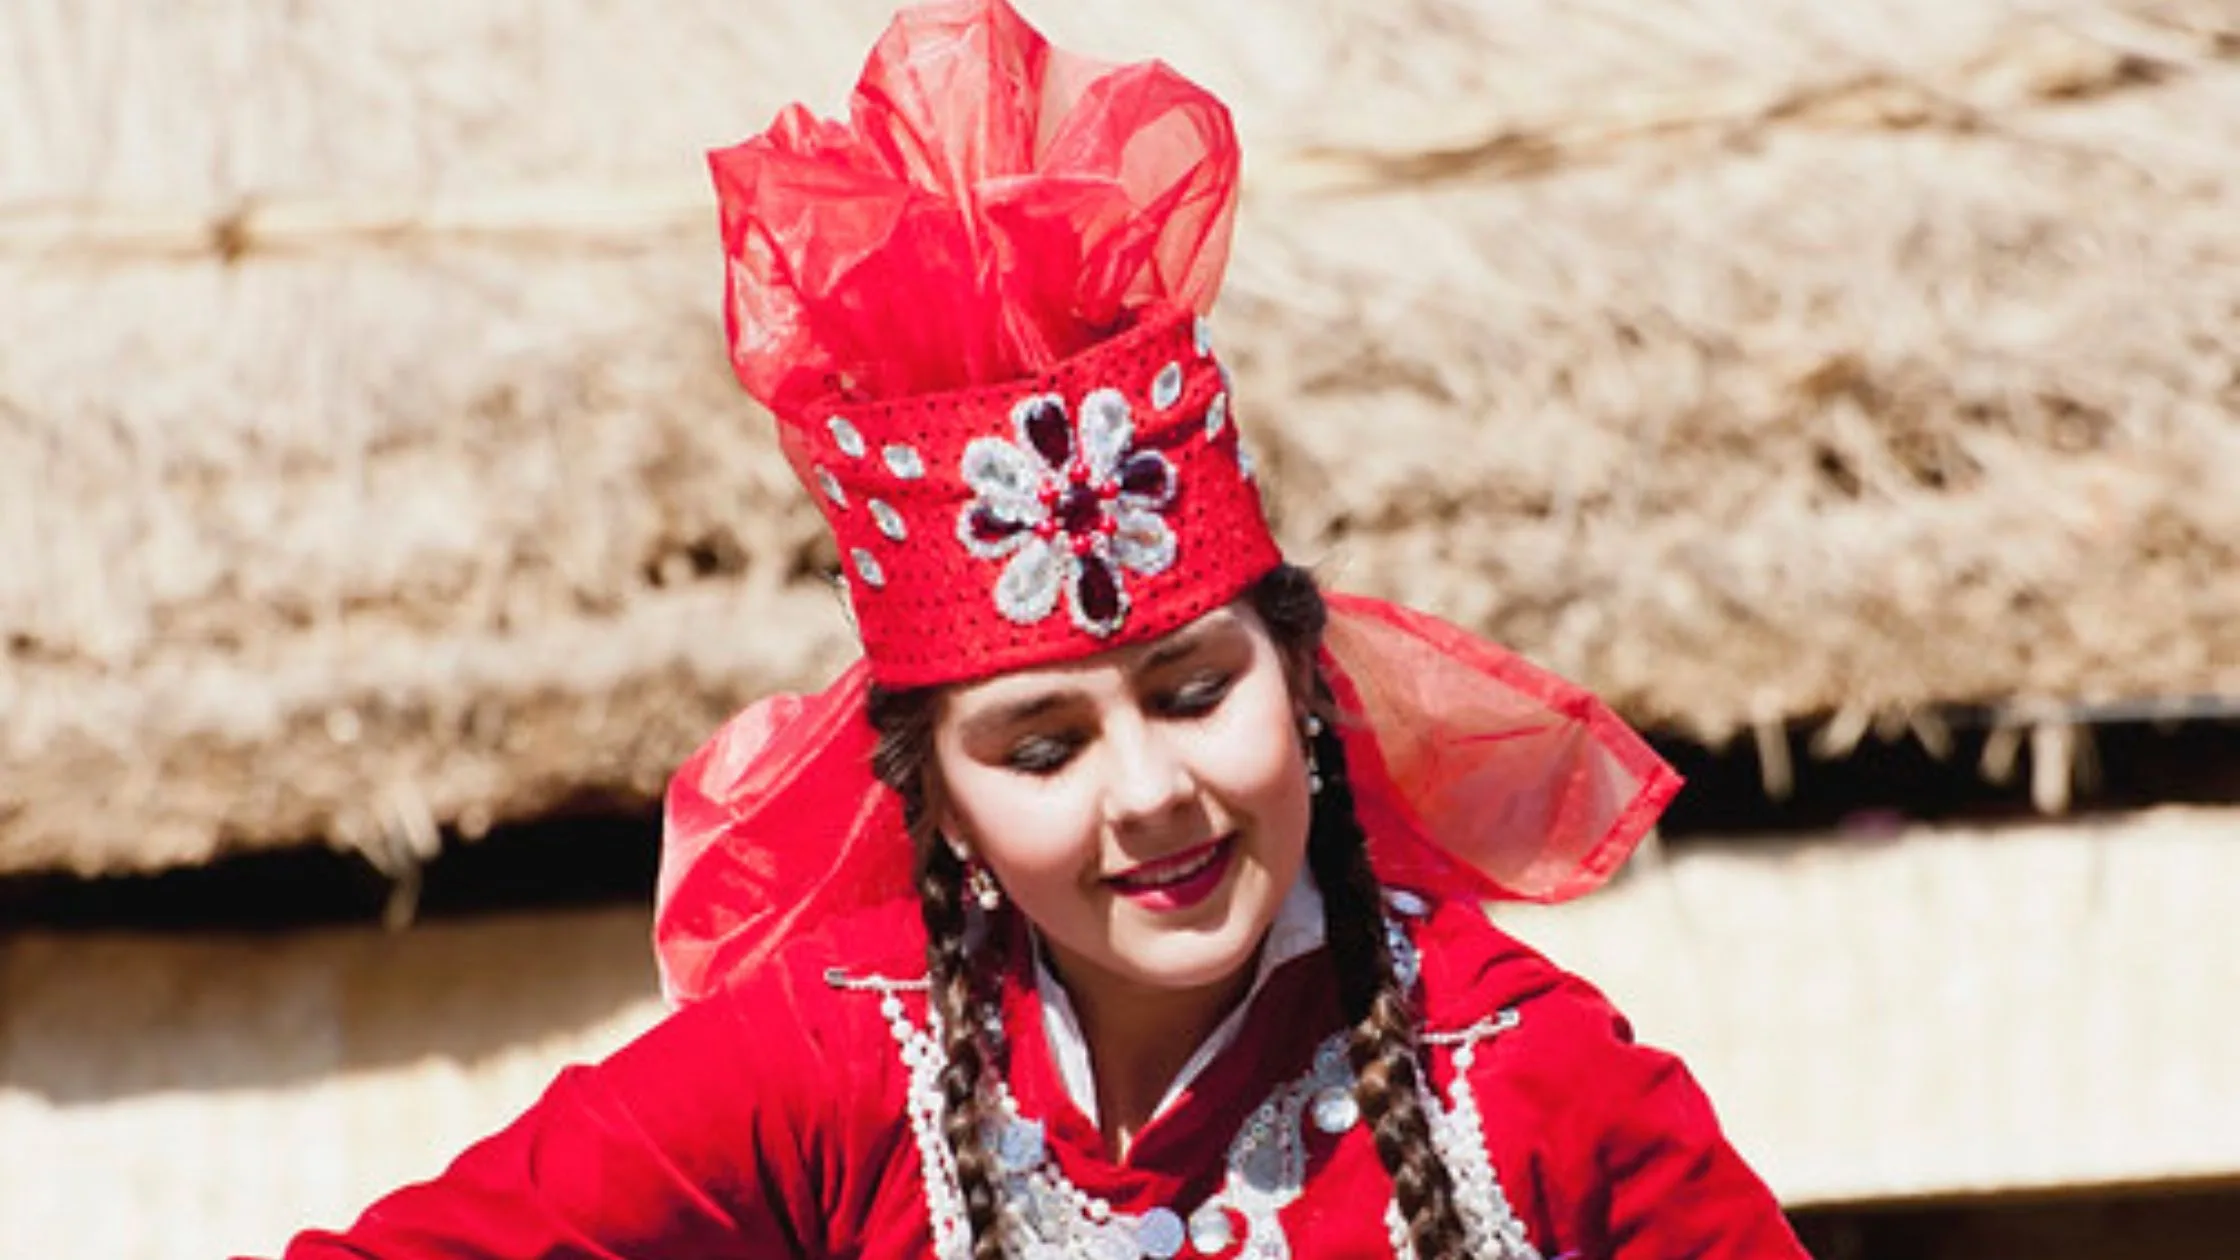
x,y
1223,627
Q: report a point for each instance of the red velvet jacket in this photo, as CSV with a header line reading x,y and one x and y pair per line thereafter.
x,y
771,1121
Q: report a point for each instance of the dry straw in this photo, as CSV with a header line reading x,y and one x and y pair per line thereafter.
x,y
368,462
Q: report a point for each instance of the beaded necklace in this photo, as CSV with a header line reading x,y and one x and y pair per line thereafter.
x,y
1045,1216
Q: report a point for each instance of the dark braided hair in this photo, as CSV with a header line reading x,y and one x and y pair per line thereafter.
x,y
1383,1047
957,990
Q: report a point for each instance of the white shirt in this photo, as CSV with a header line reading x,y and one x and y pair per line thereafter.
x,y
1297,931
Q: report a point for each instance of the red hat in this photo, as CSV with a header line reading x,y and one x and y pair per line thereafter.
x,y
976,308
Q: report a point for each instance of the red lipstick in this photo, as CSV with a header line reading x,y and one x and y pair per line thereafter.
x,y
1177,882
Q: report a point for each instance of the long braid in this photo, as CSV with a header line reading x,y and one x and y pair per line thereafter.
x,y
959,995
1384,1052
957,989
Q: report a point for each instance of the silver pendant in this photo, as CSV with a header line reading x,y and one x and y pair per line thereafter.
x,y
1335,1111
1210,1231
1160,1233
1019,1145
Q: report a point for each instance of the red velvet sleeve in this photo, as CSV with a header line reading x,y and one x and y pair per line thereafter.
x,y
703,1138
1676,1188
1645,1171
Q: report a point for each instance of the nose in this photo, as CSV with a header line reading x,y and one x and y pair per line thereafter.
x,y
1149,779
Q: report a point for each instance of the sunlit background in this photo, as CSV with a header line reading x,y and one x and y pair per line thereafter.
x,y
1850,392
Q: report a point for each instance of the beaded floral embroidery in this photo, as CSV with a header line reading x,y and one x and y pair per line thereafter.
x,y
1071,507
1047,1217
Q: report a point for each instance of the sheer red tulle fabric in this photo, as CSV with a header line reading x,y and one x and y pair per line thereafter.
x,y
1475,774
991,206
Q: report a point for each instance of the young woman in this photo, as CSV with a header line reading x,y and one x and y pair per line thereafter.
x,y
1127,898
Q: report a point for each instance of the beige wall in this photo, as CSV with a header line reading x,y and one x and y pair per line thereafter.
x,y
1945,1013
168,1098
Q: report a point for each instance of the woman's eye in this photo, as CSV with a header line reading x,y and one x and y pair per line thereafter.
x,y
1197,697
1041,754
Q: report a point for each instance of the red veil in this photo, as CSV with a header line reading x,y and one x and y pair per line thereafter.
x,y
1475,774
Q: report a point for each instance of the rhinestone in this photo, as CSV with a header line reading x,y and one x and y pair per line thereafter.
x,y
904,462
845,436
831,487
1217,415
1210,1231
1335,1111
1079,510
1028,588
1149,477
1201,335
1160,1233
1166,390
1108,429
867,568
1019,1145
1042,422
1406,902
1096,594
889,520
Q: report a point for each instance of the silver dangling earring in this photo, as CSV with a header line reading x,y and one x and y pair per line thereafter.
x,y
978,883
982,886
1312,725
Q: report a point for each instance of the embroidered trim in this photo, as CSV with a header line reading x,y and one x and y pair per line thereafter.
x,y
1489,1224
1047,1217
921,1055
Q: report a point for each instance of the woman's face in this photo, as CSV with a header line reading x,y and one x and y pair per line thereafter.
x,y
1146,808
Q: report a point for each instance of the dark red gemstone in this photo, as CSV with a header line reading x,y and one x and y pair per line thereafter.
x,y
1098,590
1146,474
1080,510
989,527
1051,434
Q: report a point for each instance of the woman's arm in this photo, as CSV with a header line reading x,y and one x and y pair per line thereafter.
x,y
1635,1165
1674,1185
699,1139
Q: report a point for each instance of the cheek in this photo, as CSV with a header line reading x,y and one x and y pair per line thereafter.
x,y
1255,762
1026,829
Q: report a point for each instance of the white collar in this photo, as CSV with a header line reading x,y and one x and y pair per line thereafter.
x,y
1297,930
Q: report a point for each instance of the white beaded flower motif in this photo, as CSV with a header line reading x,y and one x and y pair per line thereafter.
x,y
1072,507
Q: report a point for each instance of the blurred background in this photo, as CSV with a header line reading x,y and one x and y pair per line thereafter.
x,y
1851,393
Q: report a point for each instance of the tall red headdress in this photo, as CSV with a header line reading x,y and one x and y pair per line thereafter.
x,y
976,308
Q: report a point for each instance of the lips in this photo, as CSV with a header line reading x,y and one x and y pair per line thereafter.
x,y
1175,882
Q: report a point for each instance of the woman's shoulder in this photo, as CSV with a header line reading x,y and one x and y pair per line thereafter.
x,y
1617,1139
811,1020
874,950
1472,968
1559,1034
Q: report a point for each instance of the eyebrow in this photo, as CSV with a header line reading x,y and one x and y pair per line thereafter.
x,y
997,719
1174,648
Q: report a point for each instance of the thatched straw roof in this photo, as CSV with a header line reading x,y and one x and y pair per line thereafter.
x,y
368,461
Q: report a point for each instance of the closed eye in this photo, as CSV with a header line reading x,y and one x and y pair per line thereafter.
x,y
1199,696
1041,754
